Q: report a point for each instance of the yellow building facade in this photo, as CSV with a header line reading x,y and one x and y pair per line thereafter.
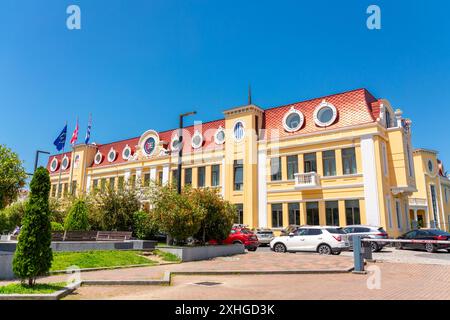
x,y
430,205
336,160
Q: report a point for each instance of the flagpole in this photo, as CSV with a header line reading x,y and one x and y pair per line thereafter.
x,y
71,161
84,186
60,169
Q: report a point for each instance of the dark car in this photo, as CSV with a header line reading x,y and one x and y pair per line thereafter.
x,y
425,234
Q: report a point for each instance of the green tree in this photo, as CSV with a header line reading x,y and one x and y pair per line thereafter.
x,y
14,214
143,225
219,215
57,226
12,176
175,213
33,256
77,219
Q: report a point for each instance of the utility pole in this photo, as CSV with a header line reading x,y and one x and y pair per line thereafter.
x,y
180,148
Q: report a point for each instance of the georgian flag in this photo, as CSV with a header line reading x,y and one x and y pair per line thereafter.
x,y
88,131
74,135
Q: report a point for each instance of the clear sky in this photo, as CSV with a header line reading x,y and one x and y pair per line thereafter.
x,y
135,65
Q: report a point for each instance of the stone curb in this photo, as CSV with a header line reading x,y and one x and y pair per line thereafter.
x,y
256,272
49,296
113,268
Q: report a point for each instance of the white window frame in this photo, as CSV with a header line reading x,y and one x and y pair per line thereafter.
x,y
98,160
389,209
292,110
321,106
197,134
111,151
243,128
428,166
65,158
124,157
398,213
174,138
216,139
54,160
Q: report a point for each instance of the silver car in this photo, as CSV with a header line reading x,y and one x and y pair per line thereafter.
x,y
367,232
264,236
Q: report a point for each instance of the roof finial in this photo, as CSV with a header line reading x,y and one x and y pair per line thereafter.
x,y
249,94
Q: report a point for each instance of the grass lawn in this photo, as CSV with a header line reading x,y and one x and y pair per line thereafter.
x,y
97,259
166,256
17,288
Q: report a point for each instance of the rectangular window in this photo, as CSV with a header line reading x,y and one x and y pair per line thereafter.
x,y
352,215
53,190
292,167
60,190
174,177
388,119
215,175
239,213
111,182
201,177
312,213
349,161
95,184
66,189
275,169
410,165
133,181
332,213
433,201
398,212
103,184
188,176
73,190
277,215
238,175
121,182
147,180
310,162
329,163
294,213
385,162
160,177
389,210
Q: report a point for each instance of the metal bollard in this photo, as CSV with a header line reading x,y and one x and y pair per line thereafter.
x,y
367,250
358,258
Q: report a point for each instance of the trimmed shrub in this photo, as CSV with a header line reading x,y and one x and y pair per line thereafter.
x,y
77,219
57,226
143,226
33,256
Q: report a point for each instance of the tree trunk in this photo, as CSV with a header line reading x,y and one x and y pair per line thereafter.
x,y
30,282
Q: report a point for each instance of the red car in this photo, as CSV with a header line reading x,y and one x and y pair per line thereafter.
x,y
241,235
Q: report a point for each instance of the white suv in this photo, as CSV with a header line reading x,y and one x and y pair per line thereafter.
x,y
324,240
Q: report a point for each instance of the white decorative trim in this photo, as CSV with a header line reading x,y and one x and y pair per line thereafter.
x,y
287,114
56,166
98,157
174,138
88,183
198,145
322,105
65,158
342,186
262,189
313,200
124,157
216,139
148,134
243,129
165,174
370,180
111,152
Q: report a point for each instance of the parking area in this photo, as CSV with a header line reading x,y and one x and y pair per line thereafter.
x,y
390,254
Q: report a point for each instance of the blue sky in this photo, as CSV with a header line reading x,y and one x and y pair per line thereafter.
x,y
135,65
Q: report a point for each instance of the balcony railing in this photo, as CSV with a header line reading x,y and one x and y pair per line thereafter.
x,y
308,180
418,202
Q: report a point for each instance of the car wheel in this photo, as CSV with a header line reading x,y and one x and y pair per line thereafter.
x,y
448,250
398,246
430,247
336,253
324,249
237,242
374,246
279,247
252,249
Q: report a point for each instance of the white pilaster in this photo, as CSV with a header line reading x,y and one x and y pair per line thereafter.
x,y
138,181
370,181
262,189
222,177
127,175
153,174
165,174
88,183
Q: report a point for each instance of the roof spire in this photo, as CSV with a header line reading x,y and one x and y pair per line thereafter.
x,y
249,94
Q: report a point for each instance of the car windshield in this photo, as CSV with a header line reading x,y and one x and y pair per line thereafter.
x,y
264,232
336,230
439,232
246,231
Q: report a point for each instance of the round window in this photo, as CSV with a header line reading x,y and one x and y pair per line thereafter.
x,y
149,145
197,140
54,165
430,165
238,131
65,163
220,136
126,153
293,120
98,158
112,156
325,114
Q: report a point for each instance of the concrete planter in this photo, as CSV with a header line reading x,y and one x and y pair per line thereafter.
x,y
6,272
204,252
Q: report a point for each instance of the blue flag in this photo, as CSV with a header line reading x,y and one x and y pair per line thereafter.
x,y
61,140
88,132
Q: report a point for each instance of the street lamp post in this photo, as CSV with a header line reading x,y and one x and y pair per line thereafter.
x,y
180,148
36,159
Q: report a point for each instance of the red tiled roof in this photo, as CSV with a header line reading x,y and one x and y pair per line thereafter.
x,y
59,157
354,107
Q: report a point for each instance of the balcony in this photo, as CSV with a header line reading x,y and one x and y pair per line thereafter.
x,y
417,202
305,181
